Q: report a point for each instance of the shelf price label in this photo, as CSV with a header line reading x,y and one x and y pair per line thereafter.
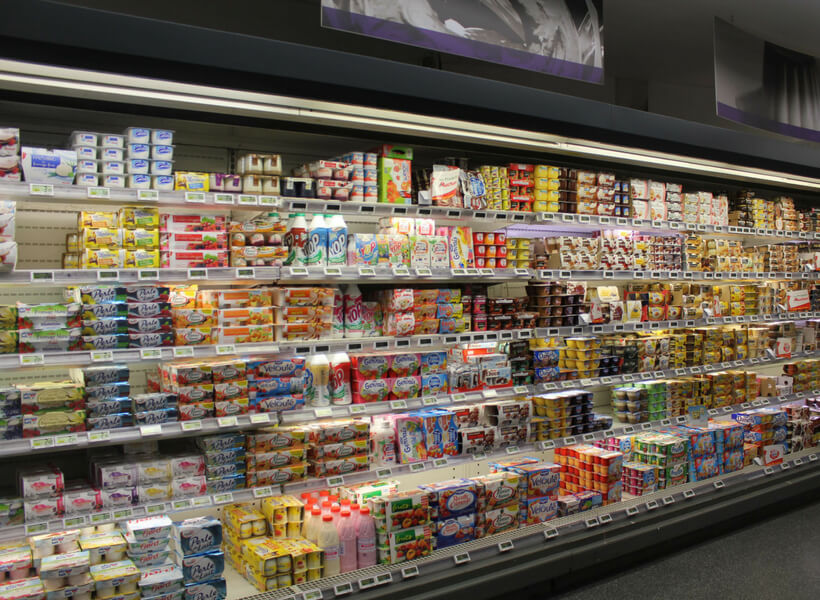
x,y
262,492
35,528
148,195
181,504
224,198
42,277
223,498
191,426
42,443
384,473
41,189
460,559
259,418
102,435
101,517
32,360
99,193
102,356
417,467
246,273
337,481
123,513
226,349
202,501
410,572
149,430
398,405
65,439
108,275
227,422
195,197
439,463
150,354
505,546
183,352
197,273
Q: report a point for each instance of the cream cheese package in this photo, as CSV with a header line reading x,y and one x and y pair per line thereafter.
x,y
49,166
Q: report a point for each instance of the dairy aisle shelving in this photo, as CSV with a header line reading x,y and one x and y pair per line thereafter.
x,y
42,202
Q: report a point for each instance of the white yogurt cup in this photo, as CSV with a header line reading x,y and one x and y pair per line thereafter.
x,y
114,181
137,166
138,135
113,167
162,137
162,167
110,140
139,182
88,179
139,151
163,183
111,154
88,165
162,152
84,138
85,152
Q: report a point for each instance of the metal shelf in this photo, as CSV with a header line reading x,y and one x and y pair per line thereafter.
x,y
667,373
284,348
372,274
606,328
47,193
226,275
666,276
595,222
518,545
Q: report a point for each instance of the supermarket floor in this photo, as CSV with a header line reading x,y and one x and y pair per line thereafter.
x,y
775,558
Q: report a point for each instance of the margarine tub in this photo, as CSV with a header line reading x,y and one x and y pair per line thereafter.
x,y
138,135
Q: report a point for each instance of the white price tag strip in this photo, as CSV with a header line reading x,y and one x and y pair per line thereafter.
x,y
461,558
227,422
505,546
32,360
149,430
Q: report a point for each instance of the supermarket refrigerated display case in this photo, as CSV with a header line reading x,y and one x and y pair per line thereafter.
x,y
487,566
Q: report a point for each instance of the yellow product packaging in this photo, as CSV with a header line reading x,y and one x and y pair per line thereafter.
x,y
191,182
102,259
100,238
283,509
95,219
141,259
141,239
139,217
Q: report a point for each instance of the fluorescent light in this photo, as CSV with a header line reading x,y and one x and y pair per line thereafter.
x,y
60,81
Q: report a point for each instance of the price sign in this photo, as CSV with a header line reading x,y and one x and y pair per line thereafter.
x,y
100,517
409,572
65,439
42,443
42,277
550,533
246,273
41,189
195,197
151,275
197,273
367,272
99,193
439,463
102,356
259,419
505,546
512,450
123,513
191,425
148,195
262,492
384,473
149,430
462,558
150,354
36,528
227,422
103,435
153,509
398,405
401,272
225,349
223,498
417,467
32,360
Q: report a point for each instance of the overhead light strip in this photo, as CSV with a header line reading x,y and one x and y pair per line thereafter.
x,y
90,84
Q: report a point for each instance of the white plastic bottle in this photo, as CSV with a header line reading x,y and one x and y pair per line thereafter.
x,y
337,241
317,370
329,543
316,246
383,442
365,539
296,237
340,379
348,547
353,312
314,524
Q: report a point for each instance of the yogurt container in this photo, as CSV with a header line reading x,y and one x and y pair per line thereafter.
x,y
114,181
85,152
162,152
139,182
84,138
111,154
137,166
138,135
162,137
162,167
109,140
87,165
113,167
163,183
88,179
138,151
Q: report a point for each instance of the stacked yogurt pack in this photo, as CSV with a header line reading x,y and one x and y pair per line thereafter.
x,y
139,158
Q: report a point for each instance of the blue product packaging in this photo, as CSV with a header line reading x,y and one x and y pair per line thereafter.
x,y
202,567
193,536
455,530
433,362
452,498
216,589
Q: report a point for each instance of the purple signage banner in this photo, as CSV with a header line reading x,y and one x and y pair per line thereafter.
x,y
556,37
764,85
